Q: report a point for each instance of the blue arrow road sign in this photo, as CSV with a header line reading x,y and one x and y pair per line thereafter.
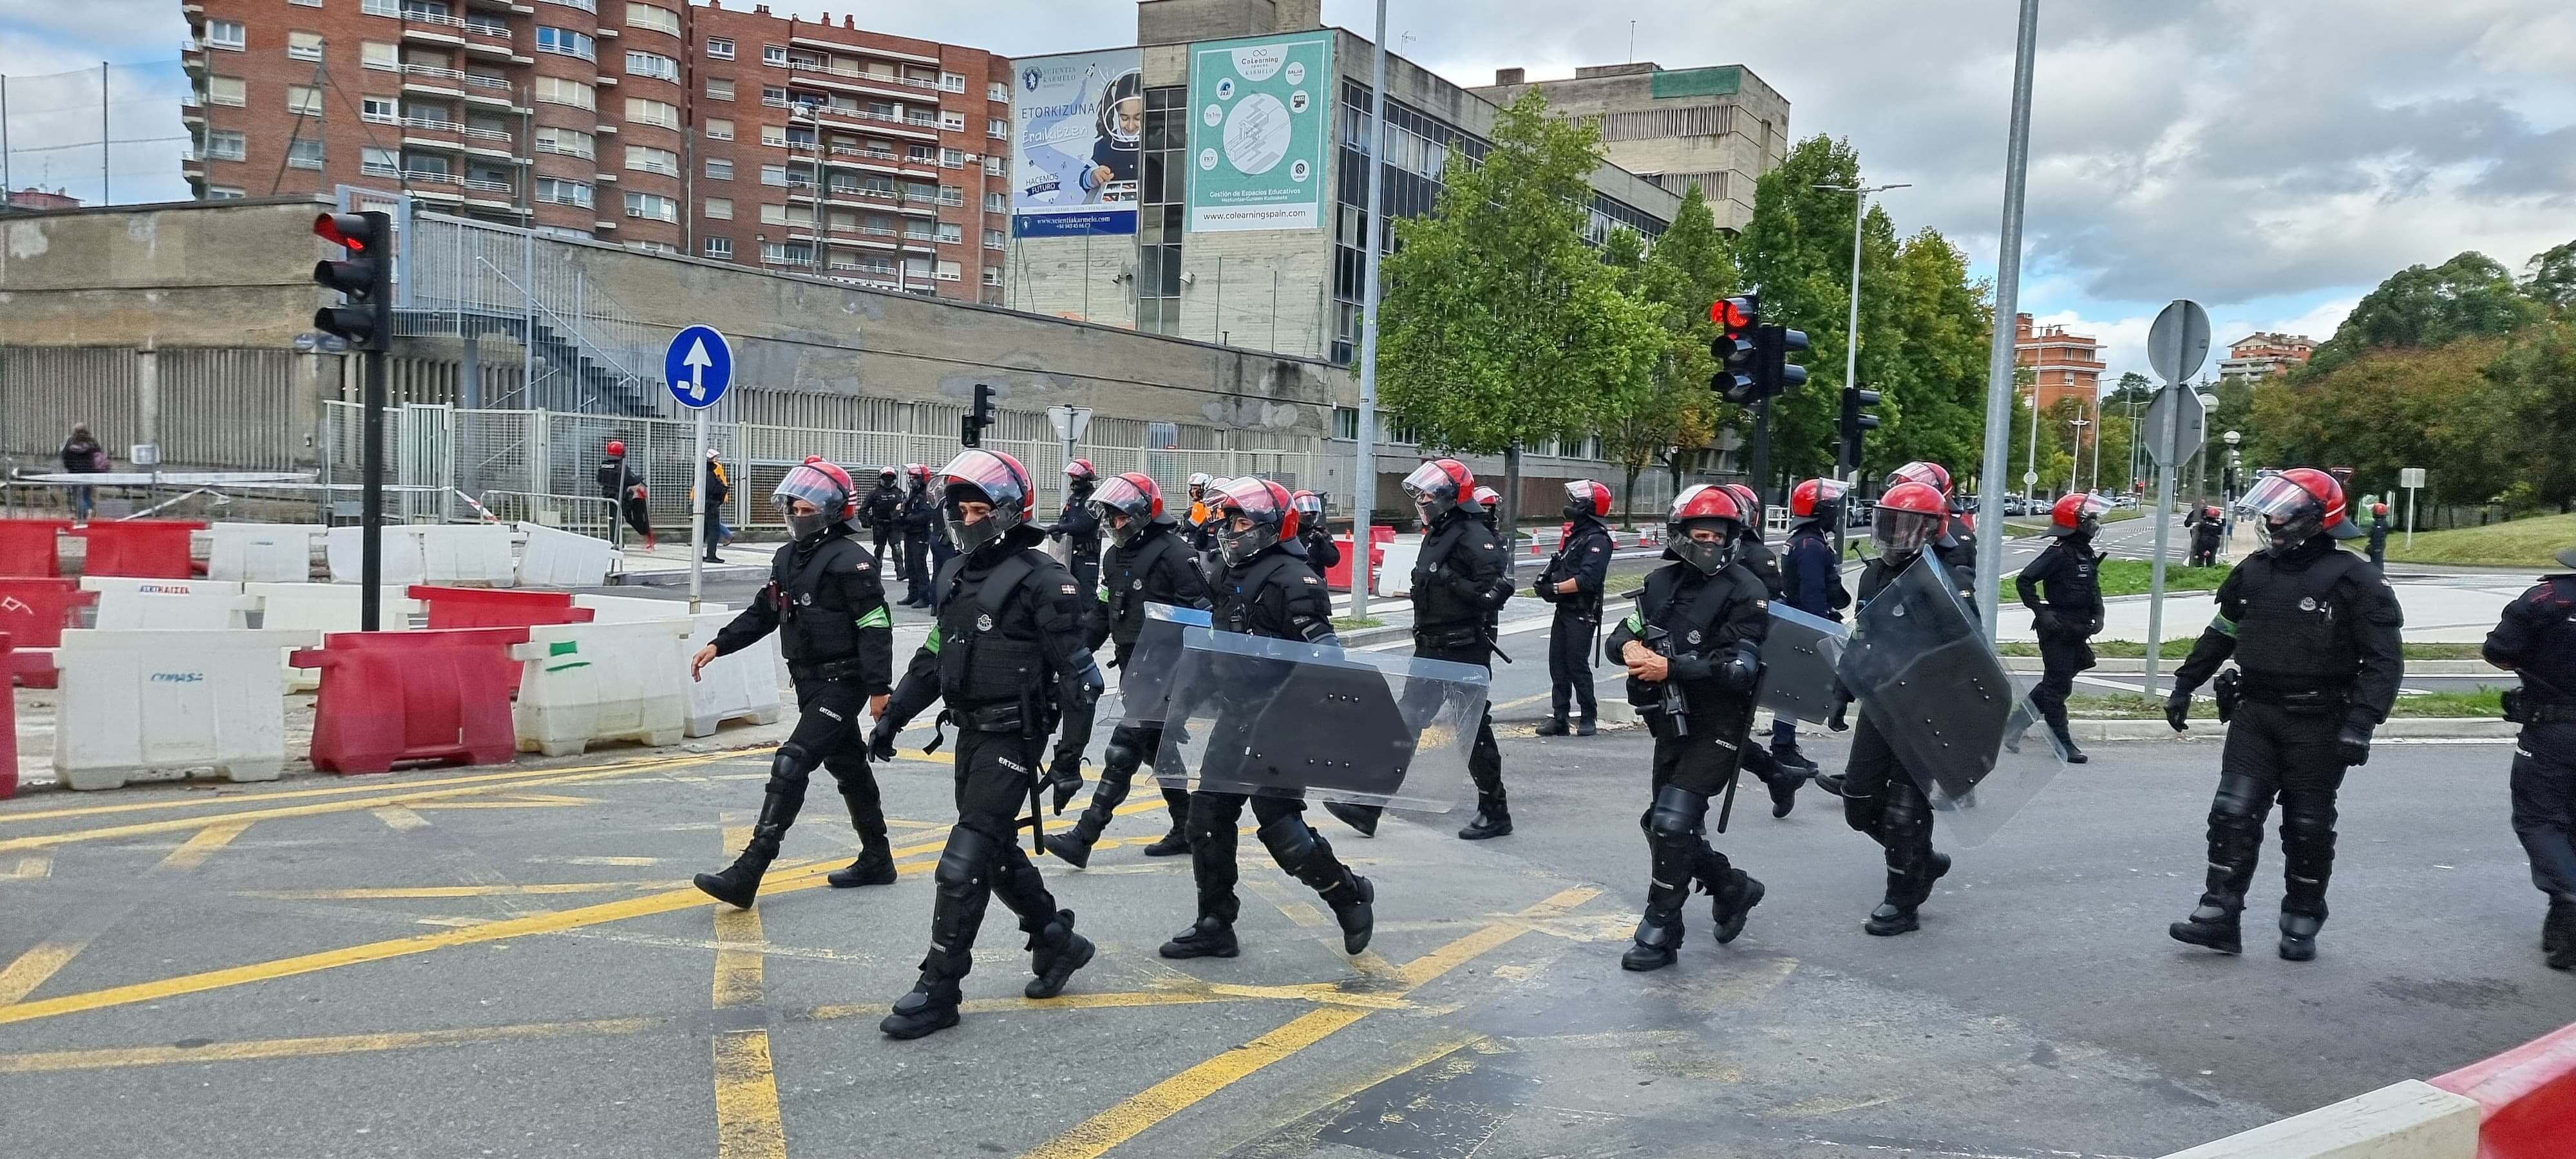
x,y
698,367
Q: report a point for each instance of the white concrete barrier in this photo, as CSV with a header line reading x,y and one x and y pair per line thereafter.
x,y
561,559
153,705
632,609
2408,1120
403,562
127,603
261,552
165,587
1395,569
468,553
582,683
324,608
743,686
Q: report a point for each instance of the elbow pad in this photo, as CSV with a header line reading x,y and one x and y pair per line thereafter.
x,y
1740,668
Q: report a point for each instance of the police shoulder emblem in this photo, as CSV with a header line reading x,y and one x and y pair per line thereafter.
x,y
983,621
806,598
2307,603
1136,585
1693,637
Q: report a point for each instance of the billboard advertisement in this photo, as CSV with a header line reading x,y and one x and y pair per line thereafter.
x,y
1260,125
1076,122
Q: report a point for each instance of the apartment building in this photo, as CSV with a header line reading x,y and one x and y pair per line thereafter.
x,y
1720,127
725,133
2064,364
2263,354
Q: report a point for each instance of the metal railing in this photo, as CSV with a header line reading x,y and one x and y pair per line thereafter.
x,y
796,65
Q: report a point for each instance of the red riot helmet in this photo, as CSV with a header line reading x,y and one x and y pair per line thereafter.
x,y
1440,485
886,474
1586,497
919,473
1133,497
1080,471
2379,511
615,449
1749,503
981,476
1910,515
822,483
1710,506
1932,475
2076,513
1273,518
1815,498
1310,509
2296,505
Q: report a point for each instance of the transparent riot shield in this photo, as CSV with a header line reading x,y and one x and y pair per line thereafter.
x,y
1798,659
1145,680
1919,665
1284,718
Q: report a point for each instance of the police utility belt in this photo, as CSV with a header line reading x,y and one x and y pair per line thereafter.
x,y
2294,696
846,668
1453,637
2520,708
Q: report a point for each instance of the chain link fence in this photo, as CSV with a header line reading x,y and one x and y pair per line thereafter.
x,y
106,135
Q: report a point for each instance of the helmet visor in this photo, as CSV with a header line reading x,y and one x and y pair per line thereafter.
x,y
1711,554
1120,499
2277,495
1932,475
813,486
1902,533
1309,506
1250,517
982,477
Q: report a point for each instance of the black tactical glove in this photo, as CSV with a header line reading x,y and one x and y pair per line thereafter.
x,y
2353,744
2044,622
1739,669
1082,686
1066,774
881,739
2178,709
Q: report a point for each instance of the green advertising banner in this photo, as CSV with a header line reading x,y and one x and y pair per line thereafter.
x,y
1260,124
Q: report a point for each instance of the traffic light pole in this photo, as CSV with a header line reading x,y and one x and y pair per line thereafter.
x,y
2000,394
1364,470
1761,466
371,499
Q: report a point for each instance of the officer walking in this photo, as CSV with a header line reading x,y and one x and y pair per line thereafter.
x,y
1008,661
619,484
920,509
1697,631
1811,580
2537,640
1460,581
878,513
2379,536
2314,632
1322,554
825,602
1958,541
1147,562
1572,580
2205,525
2063,590
1079,526
1880,798
1267,590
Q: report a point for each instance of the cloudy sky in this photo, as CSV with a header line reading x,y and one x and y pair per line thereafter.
x,y
2272,158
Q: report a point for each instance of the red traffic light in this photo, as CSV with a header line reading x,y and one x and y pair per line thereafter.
x,y
344,229
1730,313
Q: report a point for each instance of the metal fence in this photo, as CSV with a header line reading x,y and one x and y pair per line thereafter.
x,y
465,277
103,135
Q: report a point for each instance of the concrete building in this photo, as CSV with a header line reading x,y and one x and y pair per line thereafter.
x,y
2066,364
729,134
32,198
2263,354
1293,290
1720,128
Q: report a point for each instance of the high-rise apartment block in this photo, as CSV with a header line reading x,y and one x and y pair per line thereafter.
x,y
724,133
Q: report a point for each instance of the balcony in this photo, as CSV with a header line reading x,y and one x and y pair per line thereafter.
x,y
379,169
818,69
192,57
821,45
434,79
862,121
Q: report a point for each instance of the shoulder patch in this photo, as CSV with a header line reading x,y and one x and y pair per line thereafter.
x,y
1310,580
1596,549
1069,589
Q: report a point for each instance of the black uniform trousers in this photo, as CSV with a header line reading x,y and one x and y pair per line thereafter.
x,y
1130,747
637,516
831,731
993,775
2274,753
2544,805
916,565
1697,765
1570,642
1882,801
2061,657
1485,761
940,553
1280,822
1085,567
887,538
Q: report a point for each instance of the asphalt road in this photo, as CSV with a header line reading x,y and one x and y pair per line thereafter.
x,y
453,962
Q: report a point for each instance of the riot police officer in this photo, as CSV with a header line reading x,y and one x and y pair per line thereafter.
x,y
1491,501
826,604
1572,580
1811,580
1693,650
620,484
1322,554
1079,526
1197,524
1148,562
878,513
1008,660
2537,640
1881,799
2379,536
2068,574
2206,525
1958,542
1757,557
1460,581
1267,590
2314,632
913,518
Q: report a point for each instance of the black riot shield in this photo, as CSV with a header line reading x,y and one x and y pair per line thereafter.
x,y
1285,718
1919,664
1145,680
1798,659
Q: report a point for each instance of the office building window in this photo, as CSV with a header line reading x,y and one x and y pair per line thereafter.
x,y
225,34
649,16
652,206
720,47
720,248
719,129
225,145
1158,217
719,208
304,46
719,169
719,89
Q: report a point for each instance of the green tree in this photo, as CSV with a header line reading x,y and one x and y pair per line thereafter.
x,y
1674,413
1924,349
2550,278
2468,296
1797,249
1499,324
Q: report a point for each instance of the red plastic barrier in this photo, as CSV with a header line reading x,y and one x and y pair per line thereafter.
x,y
27,546
151,548
2528,1096
8,735
1381,533
413,696
1338,576
34,613
496,607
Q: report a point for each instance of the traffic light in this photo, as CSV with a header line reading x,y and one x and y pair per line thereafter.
x,y
970,428
1773,373
1737,320
1856,422
364,280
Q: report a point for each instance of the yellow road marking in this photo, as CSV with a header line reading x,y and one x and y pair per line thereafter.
x,y
33,968
519,801
1098,1134
399,818
132,1056
596,860
30,867
353,785
400,892
195,850
748,1124
30,970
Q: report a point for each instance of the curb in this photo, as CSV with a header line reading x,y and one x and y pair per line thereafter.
x,y
2030,665
2399,728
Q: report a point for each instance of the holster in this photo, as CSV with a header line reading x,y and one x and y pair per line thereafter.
x,y
2520,708
1008,716
2299,701
2229,690
1450,639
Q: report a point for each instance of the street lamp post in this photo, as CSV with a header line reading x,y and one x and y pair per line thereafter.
x,y
2075,466
2208,402
1851,329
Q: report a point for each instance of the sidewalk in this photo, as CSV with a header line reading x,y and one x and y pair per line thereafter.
x,y
666,564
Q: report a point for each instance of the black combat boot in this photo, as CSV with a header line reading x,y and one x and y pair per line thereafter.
x,y
1362,819
1552,726
1208,937
2235,846
930,1007
1176,842
1055,952
1355,909
1583,725
1493,819
1731,901
2066,740
2303,913
740,882
1658,940
2558,934
1895,913
875,866
1784,786
2212,924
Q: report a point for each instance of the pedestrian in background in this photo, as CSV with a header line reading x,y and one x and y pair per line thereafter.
x,y
2379,537
619,484
712,492
83,456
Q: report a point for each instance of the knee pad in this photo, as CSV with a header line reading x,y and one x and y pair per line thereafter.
x,y
2307,825
1676,814
965,861
1861,813
1120,757
1905,815
790,765
2239,796
1289,839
